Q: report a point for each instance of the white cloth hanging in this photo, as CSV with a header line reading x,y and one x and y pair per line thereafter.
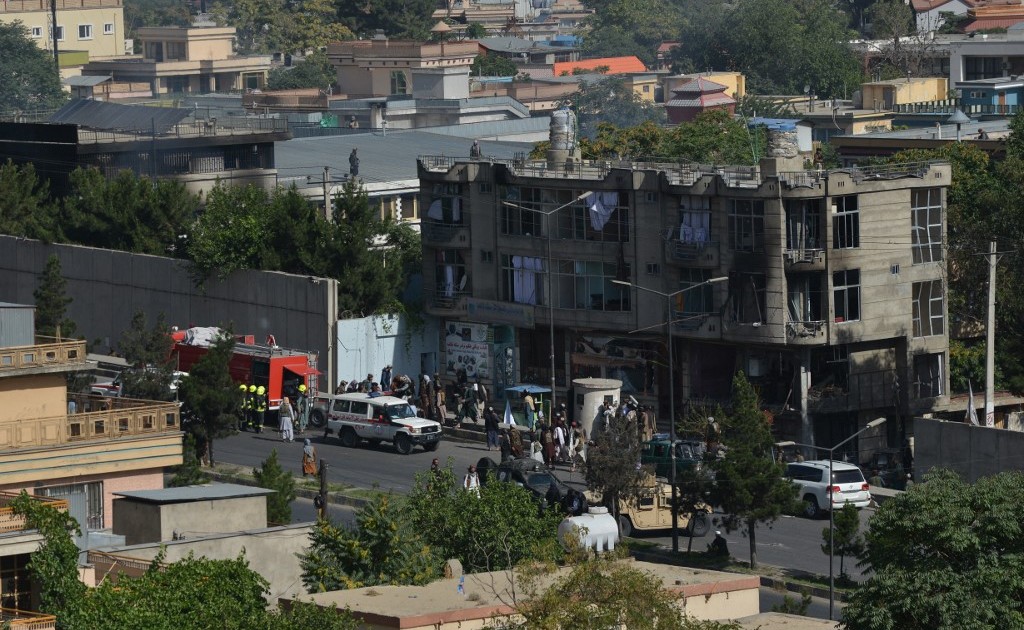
x,y
434,212
456,209
449,281
601,205
524,279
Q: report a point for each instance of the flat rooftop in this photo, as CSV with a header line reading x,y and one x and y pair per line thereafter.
x,y
191,494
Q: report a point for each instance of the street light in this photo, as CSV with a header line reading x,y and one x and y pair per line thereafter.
x,y
831,511
550,296
671,394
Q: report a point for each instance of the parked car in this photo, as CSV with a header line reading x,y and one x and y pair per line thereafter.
x,y
819,494
536,478
356,417
656,453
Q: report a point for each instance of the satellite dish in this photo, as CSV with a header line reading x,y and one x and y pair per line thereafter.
x,y
807,89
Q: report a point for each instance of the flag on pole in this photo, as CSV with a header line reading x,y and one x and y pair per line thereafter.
x,y
509,420
972,413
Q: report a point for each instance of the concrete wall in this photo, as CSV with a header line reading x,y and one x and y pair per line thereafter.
x,y
367,344
271,552
973,452
108,287
39,396
143,522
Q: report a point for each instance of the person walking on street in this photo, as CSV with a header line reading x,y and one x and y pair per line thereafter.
x,y
302,408
515,442
286,418
471,482
491,426
308,458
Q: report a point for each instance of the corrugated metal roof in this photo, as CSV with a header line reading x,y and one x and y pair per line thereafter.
x,y
113,116
85,81
699,85
189,494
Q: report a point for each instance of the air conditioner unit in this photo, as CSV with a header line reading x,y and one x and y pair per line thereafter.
x,y
129,46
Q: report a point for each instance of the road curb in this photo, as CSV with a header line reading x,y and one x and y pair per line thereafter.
x,y
334,498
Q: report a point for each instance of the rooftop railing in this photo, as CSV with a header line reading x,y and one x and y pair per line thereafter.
x,y
25,620
46,351
11,522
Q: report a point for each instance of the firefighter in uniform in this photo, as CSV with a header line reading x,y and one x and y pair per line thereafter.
x,y
250,407
261,407
242,406
302,406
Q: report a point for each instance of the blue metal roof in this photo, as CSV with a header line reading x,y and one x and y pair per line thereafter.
x,y
775,124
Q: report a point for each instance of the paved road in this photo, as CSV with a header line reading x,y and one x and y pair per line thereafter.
x,y
792,542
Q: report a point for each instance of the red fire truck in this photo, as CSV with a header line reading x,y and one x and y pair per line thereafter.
x,y
279,370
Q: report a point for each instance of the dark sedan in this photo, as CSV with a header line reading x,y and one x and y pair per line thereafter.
x,y
538,479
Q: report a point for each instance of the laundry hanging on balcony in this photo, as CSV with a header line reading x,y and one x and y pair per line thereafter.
x,y
695,226
601,205
450,212
524,279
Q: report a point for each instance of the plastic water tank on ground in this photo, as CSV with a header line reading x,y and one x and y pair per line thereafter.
x,y
595,530
590,394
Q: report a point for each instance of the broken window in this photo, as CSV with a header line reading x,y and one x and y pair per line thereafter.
x,y
926,228
927,308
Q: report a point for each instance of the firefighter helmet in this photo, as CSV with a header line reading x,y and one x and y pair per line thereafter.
x,y
252,389
243,388
302,389
260,390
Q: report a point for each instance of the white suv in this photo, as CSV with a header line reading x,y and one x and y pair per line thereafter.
x,y
848,486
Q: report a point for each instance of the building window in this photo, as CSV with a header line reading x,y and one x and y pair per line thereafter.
x,y
927,308
398,82
982,68
748,294
804,298
451,279
523,279
60,33
697,301
446,204
587,285
653,269
929,375
108,29
846,295
15,582
486,188
85,502
37,32
746,225
926,228
803,225
85,31
486,256
845,223
603,219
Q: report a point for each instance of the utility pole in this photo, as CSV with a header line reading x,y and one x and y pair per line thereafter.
x,y
327,193
990,338
53,33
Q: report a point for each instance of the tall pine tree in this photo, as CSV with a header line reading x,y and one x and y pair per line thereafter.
x,y
209,397
52,302
147,349
749,485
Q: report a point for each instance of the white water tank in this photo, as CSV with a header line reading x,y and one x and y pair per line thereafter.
x,y
595,530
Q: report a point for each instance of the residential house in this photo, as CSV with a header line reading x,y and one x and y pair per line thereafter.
x,y
95,27
19,595
75,447
989,136
823,308
1000,96
602,65
186,60
928,14
993,15
735,82
888,94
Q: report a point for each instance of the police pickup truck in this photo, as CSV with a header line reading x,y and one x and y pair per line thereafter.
x,y
357,417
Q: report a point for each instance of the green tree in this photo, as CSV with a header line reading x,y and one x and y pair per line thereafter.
x,y
306,26
610,100
495,530
147,350
945,555
273,477
749,486
233,232
190,473
493,66
52,302
54,566
315,71
254,22
399,19
620,28
209,396
27,72
127,213
25,206
845,536
475,30
904,48
140,13
612,458
381,547
595,593
715,137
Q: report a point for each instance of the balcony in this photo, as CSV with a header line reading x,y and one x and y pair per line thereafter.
x,y
805,333
702,254
804,259
864,390
447,302
25,620
47,355
696,325
11,522
442,234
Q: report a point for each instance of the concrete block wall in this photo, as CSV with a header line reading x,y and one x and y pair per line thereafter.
x,y
973,452
108,287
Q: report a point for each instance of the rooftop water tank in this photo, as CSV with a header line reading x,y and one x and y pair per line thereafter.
x,y
595,530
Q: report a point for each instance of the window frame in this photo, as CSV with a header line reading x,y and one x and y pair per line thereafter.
x,y
108,28
36,32
926,225
924,300
87,28
846,220
846,287
746,219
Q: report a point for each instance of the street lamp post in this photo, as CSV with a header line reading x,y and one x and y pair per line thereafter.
x,y
671,394
550,297
831,512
